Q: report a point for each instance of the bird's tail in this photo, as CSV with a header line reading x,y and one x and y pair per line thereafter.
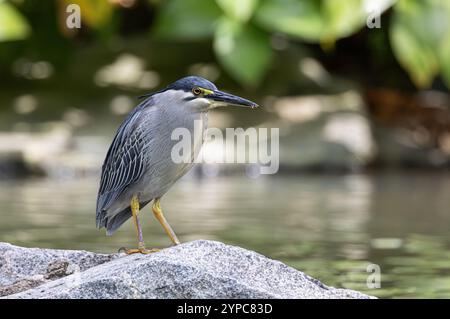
x,y
113,223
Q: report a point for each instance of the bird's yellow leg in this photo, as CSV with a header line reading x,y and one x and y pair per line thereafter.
x,y
134,205
157,211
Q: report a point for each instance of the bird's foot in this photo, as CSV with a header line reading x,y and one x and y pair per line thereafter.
x,y
141,249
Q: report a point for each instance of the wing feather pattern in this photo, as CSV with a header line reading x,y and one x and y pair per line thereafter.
x,y
124,163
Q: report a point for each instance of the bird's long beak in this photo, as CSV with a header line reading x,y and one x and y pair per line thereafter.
x,y
220,98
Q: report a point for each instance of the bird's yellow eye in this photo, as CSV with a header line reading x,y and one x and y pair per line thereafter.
x,y
197,91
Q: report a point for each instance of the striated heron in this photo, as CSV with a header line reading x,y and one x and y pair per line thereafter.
x,y
139,168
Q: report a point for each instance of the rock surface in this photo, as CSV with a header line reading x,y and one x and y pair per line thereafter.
x,y
199,269
23,268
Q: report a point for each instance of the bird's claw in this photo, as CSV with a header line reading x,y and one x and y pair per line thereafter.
x,y
148,251
141,250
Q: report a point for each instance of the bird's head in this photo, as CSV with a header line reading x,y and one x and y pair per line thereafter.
x,y
200,94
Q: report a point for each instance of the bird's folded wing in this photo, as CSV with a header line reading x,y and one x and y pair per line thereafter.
x,y
123,165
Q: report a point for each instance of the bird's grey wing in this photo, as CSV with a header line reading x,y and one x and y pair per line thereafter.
x,y
124,163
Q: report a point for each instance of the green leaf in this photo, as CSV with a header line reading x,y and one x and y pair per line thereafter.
x,y
343,18
187,19
13,25
297,18
243,50
241,10
415,56
418,59
316,20
419,34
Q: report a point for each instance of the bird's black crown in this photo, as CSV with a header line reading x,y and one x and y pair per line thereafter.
x,y
185,84
190,82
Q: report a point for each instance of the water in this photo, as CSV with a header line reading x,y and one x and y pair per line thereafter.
x,y
330,226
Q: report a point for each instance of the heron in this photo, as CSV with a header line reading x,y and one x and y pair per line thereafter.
x,y
139,167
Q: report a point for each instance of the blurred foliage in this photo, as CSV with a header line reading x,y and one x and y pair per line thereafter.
x,y
187,19
243,50
419,30
13,26
315,21
420,37
243,27
242,30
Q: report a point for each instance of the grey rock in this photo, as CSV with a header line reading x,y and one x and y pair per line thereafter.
x,y
23,268
198,269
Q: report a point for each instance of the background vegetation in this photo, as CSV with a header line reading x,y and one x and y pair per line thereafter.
x,y
240,31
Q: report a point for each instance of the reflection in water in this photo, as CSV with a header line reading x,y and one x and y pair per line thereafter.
x,y
331,227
